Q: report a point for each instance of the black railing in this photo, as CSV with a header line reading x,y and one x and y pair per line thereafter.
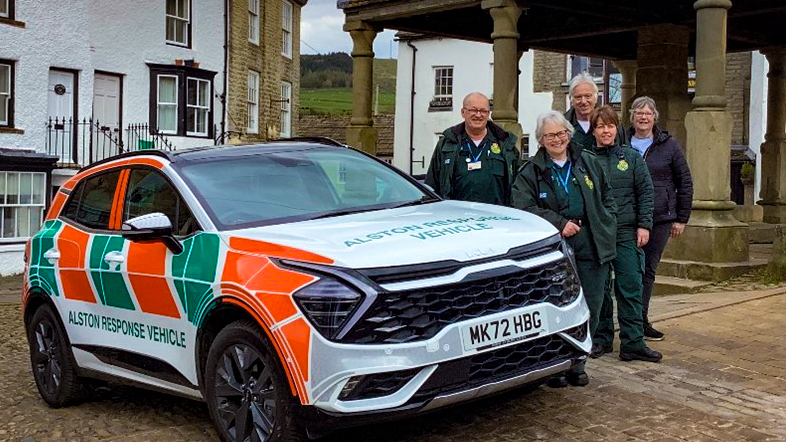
x,y
80,143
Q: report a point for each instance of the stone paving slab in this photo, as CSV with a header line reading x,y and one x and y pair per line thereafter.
x,y
723,377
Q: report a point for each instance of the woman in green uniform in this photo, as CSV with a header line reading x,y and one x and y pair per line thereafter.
x,y
563,184
633,194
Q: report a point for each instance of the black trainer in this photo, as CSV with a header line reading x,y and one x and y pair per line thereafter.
x,y
651,334
646,354
599,350
577,379
558,381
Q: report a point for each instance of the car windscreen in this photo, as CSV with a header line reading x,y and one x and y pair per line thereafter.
x,y
277,187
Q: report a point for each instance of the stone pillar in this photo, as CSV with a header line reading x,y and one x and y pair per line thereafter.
x,y
773,149
361,133
627,69
505,14
662,59
713,234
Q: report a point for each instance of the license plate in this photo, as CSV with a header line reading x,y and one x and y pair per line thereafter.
x,y
503,329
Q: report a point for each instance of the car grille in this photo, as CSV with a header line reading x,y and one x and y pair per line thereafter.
x,y
472,371
420,314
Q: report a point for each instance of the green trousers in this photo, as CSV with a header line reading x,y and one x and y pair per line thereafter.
x,y
593,277
628,273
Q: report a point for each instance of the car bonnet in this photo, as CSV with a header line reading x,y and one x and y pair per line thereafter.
x,y
446,230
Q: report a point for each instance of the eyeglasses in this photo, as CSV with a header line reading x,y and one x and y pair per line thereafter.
x,y
561,134
647,114
477,111
585,97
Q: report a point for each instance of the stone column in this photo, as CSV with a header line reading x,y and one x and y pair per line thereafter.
x,y
773,149
713,234
662,59
628,70
361,133
505,14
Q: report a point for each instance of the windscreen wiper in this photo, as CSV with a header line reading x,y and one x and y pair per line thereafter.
x,y
423,200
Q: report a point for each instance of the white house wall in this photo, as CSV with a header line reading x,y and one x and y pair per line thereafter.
x,y
758,112
472,71
124,46
54,36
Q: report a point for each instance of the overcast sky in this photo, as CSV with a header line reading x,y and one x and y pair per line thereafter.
x,y
321,31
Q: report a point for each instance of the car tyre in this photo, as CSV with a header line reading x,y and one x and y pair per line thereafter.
x,y
246,390
54,368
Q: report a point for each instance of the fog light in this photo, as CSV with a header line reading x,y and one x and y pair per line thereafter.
x,y
349,386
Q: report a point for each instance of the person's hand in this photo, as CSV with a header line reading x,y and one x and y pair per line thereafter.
x,y
677,229
570,229
642,237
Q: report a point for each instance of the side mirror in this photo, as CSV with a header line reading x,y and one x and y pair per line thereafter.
x,y
152,227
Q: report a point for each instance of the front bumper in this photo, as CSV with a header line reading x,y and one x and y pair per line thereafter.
x,y
429,374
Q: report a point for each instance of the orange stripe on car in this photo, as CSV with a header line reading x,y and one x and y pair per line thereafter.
x,y
116,216
276,280
276,250
158,164
146,271
57,205
72,244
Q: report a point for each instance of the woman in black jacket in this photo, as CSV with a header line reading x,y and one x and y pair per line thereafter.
x,y
673,192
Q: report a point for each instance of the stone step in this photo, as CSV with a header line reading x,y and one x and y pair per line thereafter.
x,y
701,271
761,233
667,285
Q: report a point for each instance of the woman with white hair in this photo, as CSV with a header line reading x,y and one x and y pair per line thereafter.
x,y
563,184
673,192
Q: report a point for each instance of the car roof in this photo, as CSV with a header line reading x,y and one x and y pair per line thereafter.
x,y
229,151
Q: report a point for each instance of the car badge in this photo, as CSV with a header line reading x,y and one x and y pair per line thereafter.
x,y
622,165
495,148
589,182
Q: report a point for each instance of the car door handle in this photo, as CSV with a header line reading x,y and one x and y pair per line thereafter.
x,y
114,257
52,255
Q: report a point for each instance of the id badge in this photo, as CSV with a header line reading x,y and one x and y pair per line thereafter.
x,y
473,166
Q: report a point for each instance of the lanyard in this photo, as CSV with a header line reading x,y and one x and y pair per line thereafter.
x,y
476,157
564,181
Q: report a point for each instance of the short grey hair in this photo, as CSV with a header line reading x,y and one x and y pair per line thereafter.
x,y
552,117
583,77
641,102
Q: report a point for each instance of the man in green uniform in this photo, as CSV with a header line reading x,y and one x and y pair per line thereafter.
x,y
475,160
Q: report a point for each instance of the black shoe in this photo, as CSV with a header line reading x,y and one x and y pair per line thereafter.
x,y
558,381
577,379
651,334
645,354
599,350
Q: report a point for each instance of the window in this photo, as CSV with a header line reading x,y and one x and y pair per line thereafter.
x,y
253,21
286,15
22,196
181,100
286,109
178,22
149,192
5,8
252,101
198,92
91,202
167,104
6,93
443,89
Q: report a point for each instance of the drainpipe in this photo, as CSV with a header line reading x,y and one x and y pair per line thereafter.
x,y
412,109
226,72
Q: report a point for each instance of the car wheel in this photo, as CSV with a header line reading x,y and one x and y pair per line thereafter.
x,y
53,364
246,390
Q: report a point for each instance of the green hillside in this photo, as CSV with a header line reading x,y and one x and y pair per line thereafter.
x,y
330,100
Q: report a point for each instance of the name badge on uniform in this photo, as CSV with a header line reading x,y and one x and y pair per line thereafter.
x,y
475,165
543,195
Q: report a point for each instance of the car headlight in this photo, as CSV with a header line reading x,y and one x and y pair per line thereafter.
x,y
328,304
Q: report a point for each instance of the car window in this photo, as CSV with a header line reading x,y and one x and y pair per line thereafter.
x,y
91,201
149,192
276,187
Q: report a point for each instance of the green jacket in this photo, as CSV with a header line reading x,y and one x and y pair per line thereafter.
x,y
587,140
632,188
446,156
534,191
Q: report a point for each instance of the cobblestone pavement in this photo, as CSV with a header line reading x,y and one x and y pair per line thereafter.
x,y
723,378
